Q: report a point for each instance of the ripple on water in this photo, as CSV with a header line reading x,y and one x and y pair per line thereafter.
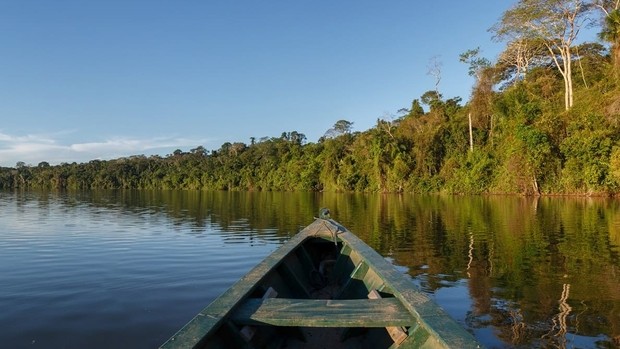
x,y
78,276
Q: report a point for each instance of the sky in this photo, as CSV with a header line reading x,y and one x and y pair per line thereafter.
x,y
84,80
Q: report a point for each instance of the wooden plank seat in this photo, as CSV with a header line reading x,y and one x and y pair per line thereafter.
x,y
383,312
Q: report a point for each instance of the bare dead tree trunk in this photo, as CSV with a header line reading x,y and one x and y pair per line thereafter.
x,y
569,76
491,130
471,135
583,75
564,68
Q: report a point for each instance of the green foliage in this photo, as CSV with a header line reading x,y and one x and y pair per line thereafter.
x,y
614,168
524,141
475,62
587,150
469,175
416,109
611,29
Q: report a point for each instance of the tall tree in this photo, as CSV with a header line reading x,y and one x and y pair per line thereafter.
x,y
431,98
556,23
518,57
416,109
434,70
610,26
476,63
343,126
482,89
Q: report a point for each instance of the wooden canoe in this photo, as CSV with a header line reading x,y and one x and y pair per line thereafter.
x,y
324,288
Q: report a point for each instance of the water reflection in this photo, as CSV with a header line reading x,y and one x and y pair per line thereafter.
x,y
518,272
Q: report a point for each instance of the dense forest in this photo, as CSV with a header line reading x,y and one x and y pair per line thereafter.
x,y
543,118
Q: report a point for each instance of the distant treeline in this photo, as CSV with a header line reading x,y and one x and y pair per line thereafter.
x,y
543,119
528,146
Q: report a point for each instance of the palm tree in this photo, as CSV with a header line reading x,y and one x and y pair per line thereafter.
x,y
611,34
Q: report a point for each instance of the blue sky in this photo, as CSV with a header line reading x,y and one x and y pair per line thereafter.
x,y
83,80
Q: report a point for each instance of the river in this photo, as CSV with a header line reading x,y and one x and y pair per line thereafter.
x,y
126,269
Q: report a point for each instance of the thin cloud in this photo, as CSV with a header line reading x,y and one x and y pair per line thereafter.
x,y
128,144
23,139
34,148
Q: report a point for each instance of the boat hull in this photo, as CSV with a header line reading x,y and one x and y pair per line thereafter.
x,y
324,288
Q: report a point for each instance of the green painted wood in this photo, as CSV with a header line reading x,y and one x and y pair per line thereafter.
x,y
381,312
354,286
417,338
356,259
372,280
296,281
304,258
434,327
432,318
205,324
234,337
343,266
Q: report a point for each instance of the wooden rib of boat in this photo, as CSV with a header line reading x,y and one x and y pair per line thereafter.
x,y
324,288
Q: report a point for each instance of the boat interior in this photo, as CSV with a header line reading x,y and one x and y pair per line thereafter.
x,y
323,294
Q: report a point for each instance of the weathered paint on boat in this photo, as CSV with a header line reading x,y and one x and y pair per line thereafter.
x,y
324,288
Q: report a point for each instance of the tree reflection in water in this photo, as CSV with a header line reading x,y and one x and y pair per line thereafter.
x,y
497,264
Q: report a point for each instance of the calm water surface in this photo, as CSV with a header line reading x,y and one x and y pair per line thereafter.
x,y
127,269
